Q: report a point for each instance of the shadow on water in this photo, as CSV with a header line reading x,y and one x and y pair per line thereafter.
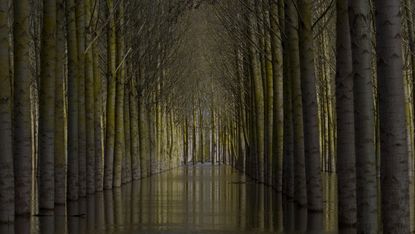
x,y
199,199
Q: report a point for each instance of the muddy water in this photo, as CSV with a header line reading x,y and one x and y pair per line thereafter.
x,y
200,199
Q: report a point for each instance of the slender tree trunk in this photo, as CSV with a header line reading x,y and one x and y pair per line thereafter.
x,y
187,138
295,76
201,139
6,124
158,124
23,77
278,80
269,94
194,145
394,151
112,82
345,120
73,167
366,182
258,92
82,131
89,97
135,135
119,103
144,139
184,144
47,108
127,128
60,107
288,163
310,108
100,70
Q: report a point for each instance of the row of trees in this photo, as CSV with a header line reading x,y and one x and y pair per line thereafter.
x,y
102,92
85,97
308,97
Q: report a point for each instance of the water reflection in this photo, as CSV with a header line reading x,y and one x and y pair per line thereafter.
x,y
199,199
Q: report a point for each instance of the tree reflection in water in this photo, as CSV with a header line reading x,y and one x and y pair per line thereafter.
x,y
199,199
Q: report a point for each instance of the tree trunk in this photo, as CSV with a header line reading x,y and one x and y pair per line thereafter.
x,y
288,161
366,181
201,139
100,71
135,135
269,95
112,82
60,106
278,115
394,151
144,139
297,104
258,92
345,120
23,78
47,108
127,128
89,97
310,108
73,167
6,124
119,103
82,131
194,145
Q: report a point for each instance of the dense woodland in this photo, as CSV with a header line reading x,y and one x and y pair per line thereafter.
x,y
97,93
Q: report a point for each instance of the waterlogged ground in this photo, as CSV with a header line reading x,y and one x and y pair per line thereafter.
x,y
199,199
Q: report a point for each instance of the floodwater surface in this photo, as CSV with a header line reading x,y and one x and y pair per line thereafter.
x,y
197,199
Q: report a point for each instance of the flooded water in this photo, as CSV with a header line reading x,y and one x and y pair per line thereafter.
x,y
199,199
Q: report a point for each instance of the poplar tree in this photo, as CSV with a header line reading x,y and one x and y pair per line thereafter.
x,y
6,118
393,143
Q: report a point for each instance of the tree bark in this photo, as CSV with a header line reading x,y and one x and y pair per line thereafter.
x,y
297,104
23,77
345,120
269,95
119,101
310,108
73,167
6,124
47,108
258,92
393,143
112,82
278,99
60,107
100,71
89,97
82,131
366,181
127,128
135,135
